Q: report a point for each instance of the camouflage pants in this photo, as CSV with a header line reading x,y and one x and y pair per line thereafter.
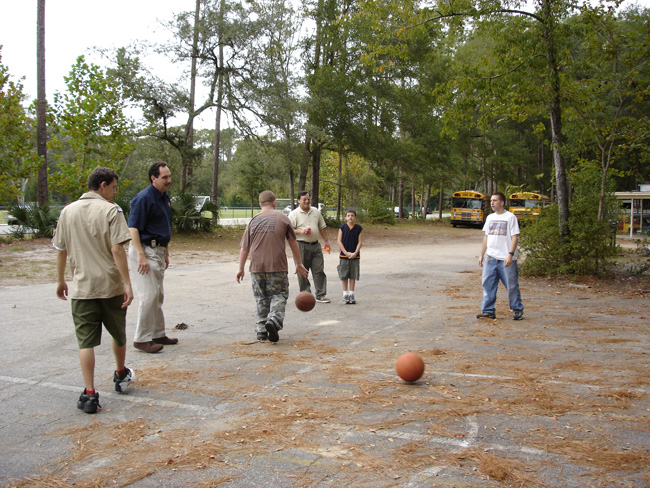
x,y
271,291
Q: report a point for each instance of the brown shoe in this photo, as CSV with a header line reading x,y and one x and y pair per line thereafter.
x,y
149,347
168,341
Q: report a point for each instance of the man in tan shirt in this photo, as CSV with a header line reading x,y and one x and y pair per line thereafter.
x,y
91,233
309,226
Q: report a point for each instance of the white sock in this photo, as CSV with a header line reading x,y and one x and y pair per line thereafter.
x,y
351,293
345,293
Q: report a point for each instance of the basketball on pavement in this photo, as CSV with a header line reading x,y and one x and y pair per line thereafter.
x,y
410,367
305,301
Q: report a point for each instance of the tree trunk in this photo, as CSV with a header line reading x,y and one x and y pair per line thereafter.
x,y
605,161
440,202
188,153
400,195
217,125
41,105
427,197
292,188
304,164
315,176
413,201
540,166
339,188
556,120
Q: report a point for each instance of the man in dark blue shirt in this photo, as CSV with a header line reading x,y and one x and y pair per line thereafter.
x,y
150,225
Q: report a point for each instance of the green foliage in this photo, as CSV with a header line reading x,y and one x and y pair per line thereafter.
x,y
250,169
89,128
41,220
378,211
186,217
18,160
123,199
359,184
333,222
588,250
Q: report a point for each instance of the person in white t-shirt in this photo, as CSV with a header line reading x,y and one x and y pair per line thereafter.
x,y
498,259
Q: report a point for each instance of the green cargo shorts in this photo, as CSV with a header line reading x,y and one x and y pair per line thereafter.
x,y
89,315
348,269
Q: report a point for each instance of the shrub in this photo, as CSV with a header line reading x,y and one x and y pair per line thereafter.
x,y
41,220
588,249
378,211
186,217
332,221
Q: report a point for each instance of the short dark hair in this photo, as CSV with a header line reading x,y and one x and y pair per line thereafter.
x,y
99,175
302,193
501,196
352,211
155,169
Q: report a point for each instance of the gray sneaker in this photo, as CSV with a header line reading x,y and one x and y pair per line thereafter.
x,y
518,315
346,299
351,300
323,300
123,381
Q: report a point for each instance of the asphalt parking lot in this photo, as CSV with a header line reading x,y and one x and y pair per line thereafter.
x,y
559,399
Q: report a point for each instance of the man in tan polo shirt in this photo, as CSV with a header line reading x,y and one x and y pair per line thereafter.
x,y
309,226
91,233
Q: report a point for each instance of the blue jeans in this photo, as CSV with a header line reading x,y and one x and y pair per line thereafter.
x,y
493,271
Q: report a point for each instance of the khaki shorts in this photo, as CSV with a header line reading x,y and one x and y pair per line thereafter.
x,y
89,315
348,269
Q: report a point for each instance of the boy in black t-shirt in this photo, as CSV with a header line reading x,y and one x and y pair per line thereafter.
x,y
349,241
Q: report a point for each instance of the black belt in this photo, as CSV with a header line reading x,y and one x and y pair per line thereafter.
x,y
310,243
148,242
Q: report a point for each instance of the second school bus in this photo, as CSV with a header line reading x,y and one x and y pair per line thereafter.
x,y
526,205
469,208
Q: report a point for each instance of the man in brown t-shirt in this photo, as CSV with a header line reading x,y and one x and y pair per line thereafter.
x,y
264,239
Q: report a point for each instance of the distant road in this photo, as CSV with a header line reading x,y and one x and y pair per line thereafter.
x,y
6,230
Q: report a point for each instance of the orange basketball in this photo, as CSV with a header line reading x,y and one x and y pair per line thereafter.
x,y
410,367
305,301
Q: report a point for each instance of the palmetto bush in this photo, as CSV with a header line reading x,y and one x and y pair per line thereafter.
x,y
186,217
41,220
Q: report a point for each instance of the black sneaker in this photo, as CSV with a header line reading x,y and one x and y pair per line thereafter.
x,y
262,336
122,381
88,403
518,315
272,331
486,315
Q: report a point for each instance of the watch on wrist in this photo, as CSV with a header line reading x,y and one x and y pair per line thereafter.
x,y
511,253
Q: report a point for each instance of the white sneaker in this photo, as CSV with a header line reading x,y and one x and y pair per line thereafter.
x,y
122,384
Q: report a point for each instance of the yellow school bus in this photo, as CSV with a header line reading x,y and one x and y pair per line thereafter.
x,y
526,205
469,208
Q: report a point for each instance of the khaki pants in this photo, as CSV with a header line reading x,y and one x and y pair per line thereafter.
x,y
148,289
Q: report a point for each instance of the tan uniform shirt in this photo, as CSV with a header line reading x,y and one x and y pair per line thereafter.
x,y
87,230
301,220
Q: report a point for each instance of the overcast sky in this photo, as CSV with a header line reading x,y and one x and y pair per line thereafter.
x,y
73,27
